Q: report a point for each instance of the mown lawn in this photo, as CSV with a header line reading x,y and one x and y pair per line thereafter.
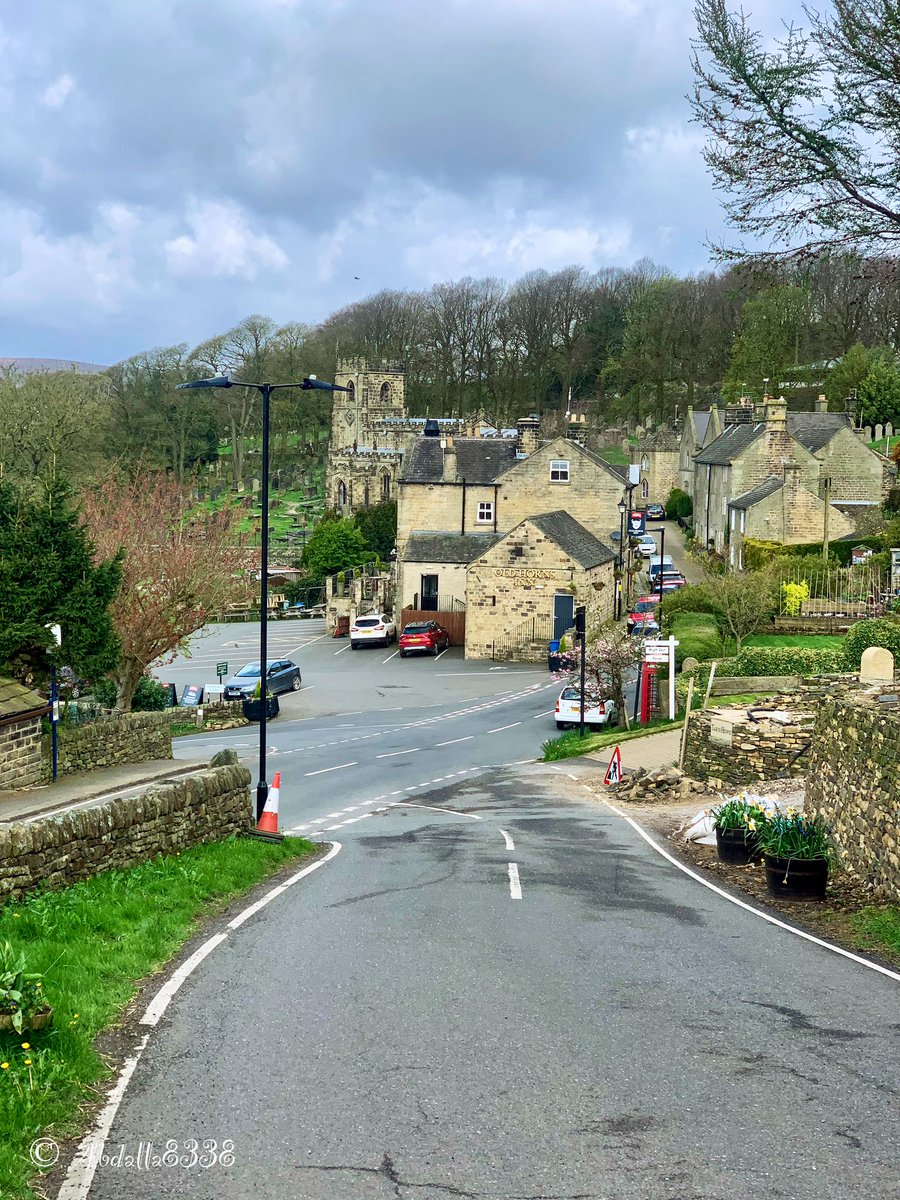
x,y
93,942
815,641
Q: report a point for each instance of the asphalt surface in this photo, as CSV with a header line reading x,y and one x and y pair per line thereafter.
x,y
401,1024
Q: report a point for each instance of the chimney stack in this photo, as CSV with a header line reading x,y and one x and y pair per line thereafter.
x,y
528,431
449,469
776,414
821,403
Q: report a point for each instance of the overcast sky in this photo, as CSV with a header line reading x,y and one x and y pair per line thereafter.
x,y
170,166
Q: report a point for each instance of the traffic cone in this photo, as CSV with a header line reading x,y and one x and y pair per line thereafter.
x,y
268,821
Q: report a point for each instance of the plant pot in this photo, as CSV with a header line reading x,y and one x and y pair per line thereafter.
x,y
253,709
736,845
796,878
33,1024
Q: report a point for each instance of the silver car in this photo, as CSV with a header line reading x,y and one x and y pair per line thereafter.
x,y
283,675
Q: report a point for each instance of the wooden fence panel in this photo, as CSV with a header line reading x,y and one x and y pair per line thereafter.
x,y
453,622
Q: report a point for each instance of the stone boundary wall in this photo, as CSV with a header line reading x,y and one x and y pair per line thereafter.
x,y
724,748
120,738
57,851
217,714
854,783
20,753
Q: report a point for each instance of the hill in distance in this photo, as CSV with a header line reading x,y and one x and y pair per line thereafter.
x,y
29,366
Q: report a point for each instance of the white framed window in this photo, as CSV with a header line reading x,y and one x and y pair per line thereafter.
x,y
486,511
559,470
645,490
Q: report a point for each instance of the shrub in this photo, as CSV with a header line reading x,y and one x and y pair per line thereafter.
x,y
679,504
883,631
149,696
787,660
792,596
693,598
698,637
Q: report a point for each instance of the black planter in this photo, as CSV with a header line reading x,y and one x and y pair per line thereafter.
x,y
736,845
252,709
796,878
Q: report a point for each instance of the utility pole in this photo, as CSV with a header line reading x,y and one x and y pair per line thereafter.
x,y
581,635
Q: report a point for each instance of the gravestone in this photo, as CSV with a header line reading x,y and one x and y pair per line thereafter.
x,y
889,430
879,432
690,664
877,666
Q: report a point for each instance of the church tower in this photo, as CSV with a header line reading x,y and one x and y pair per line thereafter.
x,y
377,393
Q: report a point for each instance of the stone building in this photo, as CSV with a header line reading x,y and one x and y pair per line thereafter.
x,y
370,433
697,431
813,461
657,456
20,735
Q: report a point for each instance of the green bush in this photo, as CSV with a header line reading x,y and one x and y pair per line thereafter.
x,y
883,631
693,598
150,696
679,504
698,637
787,660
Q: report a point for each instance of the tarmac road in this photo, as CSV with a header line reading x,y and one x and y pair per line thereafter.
x,y
419,1020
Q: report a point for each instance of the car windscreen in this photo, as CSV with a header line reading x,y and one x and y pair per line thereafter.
x,y
251,669
416,629
644,606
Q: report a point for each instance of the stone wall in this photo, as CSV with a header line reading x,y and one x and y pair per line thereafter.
x,y
118,738
20,753
724,747
854,783
57,851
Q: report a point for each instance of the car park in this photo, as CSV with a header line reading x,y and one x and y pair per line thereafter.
x,y
568,710
283,675
655,512
374,629
423,637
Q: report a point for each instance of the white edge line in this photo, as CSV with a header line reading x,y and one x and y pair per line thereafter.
x,y
515,887
81,1170
757,912
507,840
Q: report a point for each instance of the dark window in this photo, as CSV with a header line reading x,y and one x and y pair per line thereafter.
x,y
429,593
386,486
351,391
385,393
341,493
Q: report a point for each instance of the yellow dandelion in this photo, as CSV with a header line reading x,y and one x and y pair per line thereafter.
x,y
26,1045
4,1066
27,1062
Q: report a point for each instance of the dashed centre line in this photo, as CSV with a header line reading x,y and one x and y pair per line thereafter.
x,y
507,840
394,753
325,770
515,887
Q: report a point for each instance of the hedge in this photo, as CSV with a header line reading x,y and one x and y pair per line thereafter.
x,y
776,660
882,631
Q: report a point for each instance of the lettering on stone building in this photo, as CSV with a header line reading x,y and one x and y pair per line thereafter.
x,y
529,573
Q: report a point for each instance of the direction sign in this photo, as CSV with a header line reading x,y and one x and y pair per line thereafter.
x,y
221,670
656,652
614,770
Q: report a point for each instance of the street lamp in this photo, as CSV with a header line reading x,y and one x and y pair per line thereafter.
x,y
622,506
310,383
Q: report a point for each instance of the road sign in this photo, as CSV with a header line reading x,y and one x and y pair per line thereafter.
x,y
221,670
614,770
658,650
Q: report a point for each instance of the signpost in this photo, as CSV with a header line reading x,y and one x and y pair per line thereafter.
x,y
221,670
637,522
662,650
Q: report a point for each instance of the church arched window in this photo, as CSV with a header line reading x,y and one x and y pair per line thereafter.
x,y
385,486
385,393
645,490
351,391
341,493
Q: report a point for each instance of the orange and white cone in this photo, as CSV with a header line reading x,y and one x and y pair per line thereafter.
x,y
268,821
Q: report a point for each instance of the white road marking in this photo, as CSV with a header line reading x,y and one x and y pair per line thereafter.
x,y
308,643
808,937
394,753
325,770
500,728
341,651
548,713
507,840
442,653
431,808
515,888
453,741
390,656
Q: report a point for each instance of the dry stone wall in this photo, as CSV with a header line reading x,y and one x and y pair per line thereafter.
x,y
56,851
854,783
724,748
120,738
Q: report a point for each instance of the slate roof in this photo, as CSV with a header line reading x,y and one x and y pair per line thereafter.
x,y
728,445
701,424
478,461
815,430
572,537
448,547
15,698
773,484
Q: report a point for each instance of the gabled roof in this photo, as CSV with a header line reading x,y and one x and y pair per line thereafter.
x,y
620,473
814,429
572,537
773,484
728,445
701,424
15,698
448,547
478,460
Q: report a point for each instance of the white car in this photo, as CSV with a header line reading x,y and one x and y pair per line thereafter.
x,y
568,710
372,629
647,546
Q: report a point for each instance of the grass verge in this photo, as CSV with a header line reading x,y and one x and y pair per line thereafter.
x,y
570,745
879,927
94,941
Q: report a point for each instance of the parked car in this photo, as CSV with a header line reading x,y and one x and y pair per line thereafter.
x,y
671,580
568,709
372,629
281,676
648,626
655,512
642,609
423,637
659,562
647,545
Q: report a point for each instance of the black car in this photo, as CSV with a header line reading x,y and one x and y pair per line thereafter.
x,y
282,676
655,512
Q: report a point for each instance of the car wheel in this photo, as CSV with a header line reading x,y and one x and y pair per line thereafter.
x,y
295,684
354,646
563,725
403,654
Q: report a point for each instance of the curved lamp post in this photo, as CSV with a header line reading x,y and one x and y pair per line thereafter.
x,y
265,390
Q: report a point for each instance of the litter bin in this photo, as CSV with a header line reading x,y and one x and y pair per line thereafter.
x,y
553,661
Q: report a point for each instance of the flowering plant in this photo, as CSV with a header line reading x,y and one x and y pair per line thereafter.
x,y
793,835
738,812
21,991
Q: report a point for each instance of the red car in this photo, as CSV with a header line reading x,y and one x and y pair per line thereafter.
x,y
425,637
643,610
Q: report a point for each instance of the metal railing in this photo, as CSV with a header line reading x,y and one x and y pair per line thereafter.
x,y
535,629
